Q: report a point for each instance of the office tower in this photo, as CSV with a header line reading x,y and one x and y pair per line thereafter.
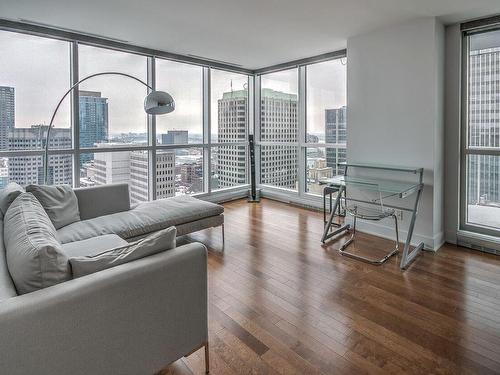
x,y
111,167
484,124
279,123
139,171
93,115
175,137
232,125
7,114
131,167
28,169
336,132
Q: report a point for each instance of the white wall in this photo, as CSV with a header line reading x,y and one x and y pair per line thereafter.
x,y
395,85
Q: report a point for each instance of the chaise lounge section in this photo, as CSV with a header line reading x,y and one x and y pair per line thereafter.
x,y
133,318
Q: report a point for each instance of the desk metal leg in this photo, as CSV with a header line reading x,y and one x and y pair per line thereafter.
x,y
326,234
409,256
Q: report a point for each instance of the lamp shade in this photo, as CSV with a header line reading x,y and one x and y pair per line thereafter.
x,y
158,103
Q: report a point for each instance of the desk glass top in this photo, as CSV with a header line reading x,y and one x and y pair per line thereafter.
x,y
401,188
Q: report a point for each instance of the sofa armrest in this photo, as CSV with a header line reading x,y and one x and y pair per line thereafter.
x,y
131,319
102,200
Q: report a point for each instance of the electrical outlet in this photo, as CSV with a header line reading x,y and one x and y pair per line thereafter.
x,y
399,215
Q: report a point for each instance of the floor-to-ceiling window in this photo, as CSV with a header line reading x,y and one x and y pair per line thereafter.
x,y
279,129
302,134
480,167
199,148
229,119
34,73
326,122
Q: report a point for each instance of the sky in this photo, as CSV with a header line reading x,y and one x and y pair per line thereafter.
x,y
38,68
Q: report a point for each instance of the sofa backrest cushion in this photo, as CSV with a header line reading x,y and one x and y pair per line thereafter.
x,y
7,289
59,201
102,200
152,244
7,195
34,256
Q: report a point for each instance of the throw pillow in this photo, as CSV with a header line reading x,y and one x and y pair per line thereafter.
x,y
7,195
34,256
154,243
59,201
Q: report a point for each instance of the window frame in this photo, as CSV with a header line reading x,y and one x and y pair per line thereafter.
x,y
151,147
467,30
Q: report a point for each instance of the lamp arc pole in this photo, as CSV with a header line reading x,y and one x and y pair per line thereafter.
x,y
169,104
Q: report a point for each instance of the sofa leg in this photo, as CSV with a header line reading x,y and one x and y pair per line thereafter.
x,y
207,359
223,238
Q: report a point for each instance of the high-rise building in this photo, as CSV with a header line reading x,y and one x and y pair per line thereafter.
x,y
279,123
29,169
93,117
483,184
139,170
131,167
175,137
230,166
7,114
336,132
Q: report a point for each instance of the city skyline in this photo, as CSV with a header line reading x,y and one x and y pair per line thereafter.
x,y
51,57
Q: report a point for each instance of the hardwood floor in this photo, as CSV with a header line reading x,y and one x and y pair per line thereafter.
x,y
281,303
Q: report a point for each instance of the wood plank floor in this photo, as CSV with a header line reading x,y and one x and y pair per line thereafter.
x,y
282,303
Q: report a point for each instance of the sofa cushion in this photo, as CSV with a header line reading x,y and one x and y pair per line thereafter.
x,y
7,289
7,195
152,244
34,256
145,218
92,246
59,201
102,200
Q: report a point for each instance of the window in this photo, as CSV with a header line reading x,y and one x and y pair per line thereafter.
x,y
185,83
326,121
279,107
229,124
481,152
229,107
111,106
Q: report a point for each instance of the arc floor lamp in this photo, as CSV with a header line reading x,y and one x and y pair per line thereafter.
x,y
155,103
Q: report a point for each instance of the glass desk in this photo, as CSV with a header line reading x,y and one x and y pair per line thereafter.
x,y
390,188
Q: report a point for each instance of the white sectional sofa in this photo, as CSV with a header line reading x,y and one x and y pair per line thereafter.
x,y
134,318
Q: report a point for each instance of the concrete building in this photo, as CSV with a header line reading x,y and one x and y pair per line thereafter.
x,y
28,169
279,123
232,127
483,187
165,177
7,114
336,132
93,117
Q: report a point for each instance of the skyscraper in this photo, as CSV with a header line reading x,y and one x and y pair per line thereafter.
x,y
336,132
175,137
484,124
28,169
93,117
232,124
279,123
7,114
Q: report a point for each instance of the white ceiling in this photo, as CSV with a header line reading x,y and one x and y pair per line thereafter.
x,y
252,34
